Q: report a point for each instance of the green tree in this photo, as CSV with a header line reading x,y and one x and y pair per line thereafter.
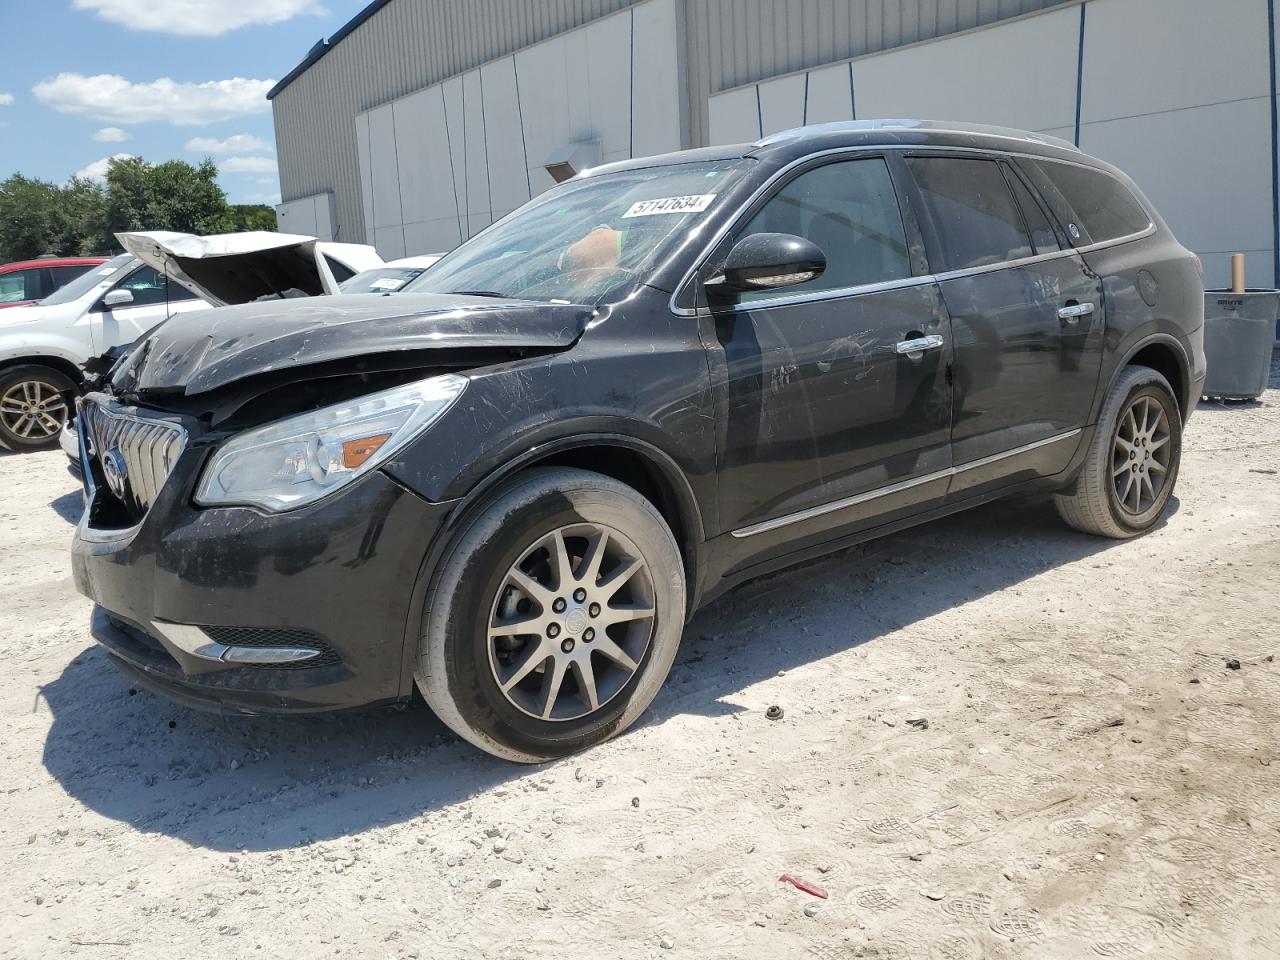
x,y
82,217
30,218
252,216
167,196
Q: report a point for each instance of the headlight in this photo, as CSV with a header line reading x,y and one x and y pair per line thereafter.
x,y
297,461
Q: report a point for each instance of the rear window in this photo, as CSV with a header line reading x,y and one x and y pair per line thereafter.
x,y
971,219
1103,206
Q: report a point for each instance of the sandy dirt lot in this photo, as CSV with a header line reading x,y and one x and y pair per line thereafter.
x,y
1095,779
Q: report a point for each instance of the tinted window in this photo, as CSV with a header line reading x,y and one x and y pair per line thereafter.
x,y
850,211
1042,233
150,287
68,273
20,285
1105,207
340,271
970,218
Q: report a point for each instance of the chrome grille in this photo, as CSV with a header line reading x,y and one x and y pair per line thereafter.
x,y
141,449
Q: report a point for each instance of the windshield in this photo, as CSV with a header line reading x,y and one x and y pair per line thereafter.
x,y
82,284
587,239
380,280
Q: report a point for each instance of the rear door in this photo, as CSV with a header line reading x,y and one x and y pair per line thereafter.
x,y
825,420
1026,319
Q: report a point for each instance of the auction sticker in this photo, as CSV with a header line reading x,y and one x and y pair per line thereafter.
x,y
694,203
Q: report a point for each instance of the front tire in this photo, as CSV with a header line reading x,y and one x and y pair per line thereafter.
x,y
1132,464
554,617
35,402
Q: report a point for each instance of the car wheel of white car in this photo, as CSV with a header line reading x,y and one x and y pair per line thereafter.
x,y
555,616
35,402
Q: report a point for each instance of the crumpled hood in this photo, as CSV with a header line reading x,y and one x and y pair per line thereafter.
x,y
206,349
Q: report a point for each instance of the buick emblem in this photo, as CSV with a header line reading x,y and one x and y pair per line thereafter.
x,y
116,471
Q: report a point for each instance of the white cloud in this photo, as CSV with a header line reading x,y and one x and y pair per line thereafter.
x,y
110,135
112,98
248,165
270,199
6,99
98,169
236,143
198,18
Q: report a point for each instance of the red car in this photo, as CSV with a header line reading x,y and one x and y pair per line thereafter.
x,y
30,280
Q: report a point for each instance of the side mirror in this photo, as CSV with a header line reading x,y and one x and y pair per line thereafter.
x,y
117,298
766,261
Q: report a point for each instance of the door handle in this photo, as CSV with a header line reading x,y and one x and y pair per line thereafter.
x,y
1074,311
914,349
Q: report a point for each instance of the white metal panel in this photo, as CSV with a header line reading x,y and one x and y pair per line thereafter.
x,y
477,161
830,96
544,103
655,120
366,177
431,236
504,142
1019,74
607,85
455,131
1215,199
299,216
386,179
1143,56
734,116
782,103
417,118
389,242
325,217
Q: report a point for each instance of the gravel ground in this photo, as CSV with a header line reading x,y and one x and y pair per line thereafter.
x,y
1095,779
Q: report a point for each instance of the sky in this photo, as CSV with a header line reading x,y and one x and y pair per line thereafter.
x,y
83,80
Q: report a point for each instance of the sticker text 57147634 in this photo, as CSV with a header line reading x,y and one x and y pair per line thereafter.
x,y
694,203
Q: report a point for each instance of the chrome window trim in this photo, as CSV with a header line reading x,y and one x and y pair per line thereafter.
x,y
822,509
843,292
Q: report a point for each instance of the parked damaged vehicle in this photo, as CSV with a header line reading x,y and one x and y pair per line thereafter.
x,y
390,277
47,349
511,484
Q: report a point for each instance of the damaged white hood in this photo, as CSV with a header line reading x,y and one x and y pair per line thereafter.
x,y
229,268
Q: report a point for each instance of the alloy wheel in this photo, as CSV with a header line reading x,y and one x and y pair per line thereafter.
x,y
1141,455
571,622
33,410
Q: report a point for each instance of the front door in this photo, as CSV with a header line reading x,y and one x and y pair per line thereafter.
x,y
155,299
826,419
1026,318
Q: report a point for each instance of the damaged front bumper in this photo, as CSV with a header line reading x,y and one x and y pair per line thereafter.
x,y
238,610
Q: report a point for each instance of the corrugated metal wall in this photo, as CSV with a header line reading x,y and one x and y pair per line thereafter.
x,y
412,43
732,42
406,45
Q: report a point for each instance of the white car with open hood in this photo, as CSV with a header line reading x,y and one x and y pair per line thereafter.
x,y
44,347
232,268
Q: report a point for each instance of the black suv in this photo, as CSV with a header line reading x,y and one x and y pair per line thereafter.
x,y
513,483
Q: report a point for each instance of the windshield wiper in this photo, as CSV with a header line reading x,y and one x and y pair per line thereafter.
x,y
480,293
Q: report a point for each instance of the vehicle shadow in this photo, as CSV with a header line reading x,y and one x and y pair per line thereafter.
x,y
264,783
69,506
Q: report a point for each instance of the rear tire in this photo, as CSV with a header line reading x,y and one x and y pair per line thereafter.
x,y
530,648
35,402
1132,464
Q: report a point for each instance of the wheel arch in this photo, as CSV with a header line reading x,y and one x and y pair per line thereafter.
x,y
1164,354
64,366
640,465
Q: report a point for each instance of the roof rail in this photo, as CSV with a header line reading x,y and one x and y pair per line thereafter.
x,y
932,126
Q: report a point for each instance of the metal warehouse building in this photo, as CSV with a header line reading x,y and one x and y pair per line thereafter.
x,y
422,121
